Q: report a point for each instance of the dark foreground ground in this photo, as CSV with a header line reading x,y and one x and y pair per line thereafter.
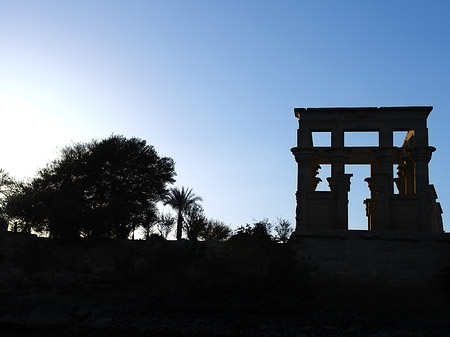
x,y
156,288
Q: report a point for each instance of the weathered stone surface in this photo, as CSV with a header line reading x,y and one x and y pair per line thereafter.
x,y
387,258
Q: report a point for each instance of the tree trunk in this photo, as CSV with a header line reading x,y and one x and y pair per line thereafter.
x,y
179,225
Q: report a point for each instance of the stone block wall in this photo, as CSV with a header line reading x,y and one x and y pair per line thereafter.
x,y
368,258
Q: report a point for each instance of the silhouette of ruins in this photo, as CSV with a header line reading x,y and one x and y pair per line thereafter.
x,y
414,208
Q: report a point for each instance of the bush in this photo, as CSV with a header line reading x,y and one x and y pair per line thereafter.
x,y
3,224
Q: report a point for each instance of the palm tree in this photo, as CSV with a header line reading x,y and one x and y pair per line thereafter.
x,y
181,201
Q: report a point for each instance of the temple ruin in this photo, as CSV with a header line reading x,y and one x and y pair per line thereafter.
x,y
413,208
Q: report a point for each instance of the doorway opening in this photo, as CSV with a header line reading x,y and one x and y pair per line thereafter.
x,y
359,191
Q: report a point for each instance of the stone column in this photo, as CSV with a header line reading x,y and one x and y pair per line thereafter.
x,y
386,138
422,156
384,186
303,157
382,218
337,138
410,181
340,185
371,205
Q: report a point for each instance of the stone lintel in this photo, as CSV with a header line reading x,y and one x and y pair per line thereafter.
x,y
364,113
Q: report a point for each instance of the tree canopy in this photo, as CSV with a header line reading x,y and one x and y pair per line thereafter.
x,y
181,201
104,188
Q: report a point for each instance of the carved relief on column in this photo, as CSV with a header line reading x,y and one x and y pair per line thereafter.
x,y
314,172
400,181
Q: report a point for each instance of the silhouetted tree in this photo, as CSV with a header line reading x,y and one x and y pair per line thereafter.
x,y
259,232
23,208
7,187
284,229
3,224
195,222
5,183
262,228
103,188
181,201
148,221
165,224
15,201
215,230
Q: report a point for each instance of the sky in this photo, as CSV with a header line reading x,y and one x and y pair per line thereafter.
x,y
214,84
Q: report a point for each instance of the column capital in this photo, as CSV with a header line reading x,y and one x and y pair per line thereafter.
x,y
340,183
422,154
302,155
371,183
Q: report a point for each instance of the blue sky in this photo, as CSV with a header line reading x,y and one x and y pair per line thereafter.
x,y
213,84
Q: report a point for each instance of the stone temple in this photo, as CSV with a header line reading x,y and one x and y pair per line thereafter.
x,y
413,208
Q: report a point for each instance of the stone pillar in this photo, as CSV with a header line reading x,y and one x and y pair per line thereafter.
x,y
380,183
340,185
421,135
422,156
303,157
304,137
337,138
384,186
386,138
410,180
371,205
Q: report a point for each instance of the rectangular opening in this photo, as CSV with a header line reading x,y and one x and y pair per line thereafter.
x,y
399,138
394,174
324,173
359,191
358,138
321,138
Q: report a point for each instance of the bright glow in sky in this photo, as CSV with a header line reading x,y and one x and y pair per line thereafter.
x,y
213,84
